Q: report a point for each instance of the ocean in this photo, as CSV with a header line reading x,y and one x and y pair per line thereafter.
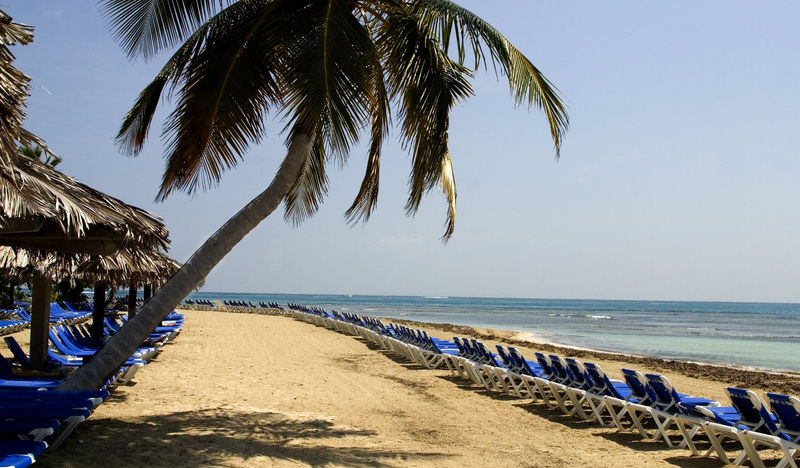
x,y
763,335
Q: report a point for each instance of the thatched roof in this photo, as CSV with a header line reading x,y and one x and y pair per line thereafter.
x,y
14,86
43,209
140,266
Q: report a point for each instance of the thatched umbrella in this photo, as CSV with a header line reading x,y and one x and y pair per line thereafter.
x,y
43,210
124,267
131,267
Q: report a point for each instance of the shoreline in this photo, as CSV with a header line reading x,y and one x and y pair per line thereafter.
x,y
773,380
737,376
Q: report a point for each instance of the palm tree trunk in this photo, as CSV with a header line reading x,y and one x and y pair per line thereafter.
x,y
98,310
105,363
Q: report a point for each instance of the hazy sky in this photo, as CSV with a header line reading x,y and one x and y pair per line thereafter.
x,y
678,178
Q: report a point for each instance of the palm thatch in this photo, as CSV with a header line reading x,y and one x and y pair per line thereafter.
x,y
44,209
14,86
122,268
41,208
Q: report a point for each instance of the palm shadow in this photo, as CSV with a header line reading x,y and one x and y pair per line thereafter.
x,y
216,436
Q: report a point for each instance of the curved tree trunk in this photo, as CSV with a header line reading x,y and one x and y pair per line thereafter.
x,y
105,363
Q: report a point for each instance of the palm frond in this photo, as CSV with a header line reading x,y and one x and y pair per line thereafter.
x,y
367,197
136,125
145,27
310,187
528,85
228,86
329,80
448,185
427,84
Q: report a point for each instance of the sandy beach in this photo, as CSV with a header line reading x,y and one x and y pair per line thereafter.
x,y
241,390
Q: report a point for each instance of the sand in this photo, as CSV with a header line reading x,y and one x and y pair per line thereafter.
x,y
244,390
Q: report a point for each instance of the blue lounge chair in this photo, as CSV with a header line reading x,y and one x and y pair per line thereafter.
x,y
787,409
616,396
521,373
28,429
747,415
20,453
587,392
668,405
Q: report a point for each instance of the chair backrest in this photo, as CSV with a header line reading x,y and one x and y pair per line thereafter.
x,y
547,369
461,351
752,412
579,375
639,386
666,397
18,352
602,383
507,360
525,368
787,409
563,373
5,368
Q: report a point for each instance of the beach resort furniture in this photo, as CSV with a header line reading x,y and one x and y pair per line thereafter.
x,y
519,373
531,373
590,391
787,410
747,415
615,397
552,384
570,389
647,404
20,453
10,324
471,369
668,405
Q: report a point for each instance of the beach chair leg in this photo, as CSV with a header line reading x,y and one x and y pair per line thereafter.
x,y
598,408
715,437
662,424
688,434
637,414
67,426
616,416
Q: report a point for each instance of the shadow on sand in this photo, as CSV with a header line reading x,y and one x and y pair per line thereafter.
x,y
221,437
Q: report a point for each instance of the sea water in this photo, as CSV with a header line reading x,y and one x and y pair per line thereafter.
x,y
749,334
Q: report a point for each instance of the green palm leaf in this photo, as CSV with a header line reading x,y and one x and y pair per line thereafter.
x,y
528,85
427,84
310,187
229,84
145,27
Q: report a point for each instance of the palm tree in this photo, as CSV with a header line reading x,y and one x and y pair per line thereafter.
x,y
329,68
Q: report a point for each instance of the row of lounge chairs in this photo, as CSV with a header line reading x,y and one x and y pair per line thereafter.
x,y
35,416
645,404
18,319
204,302
11,322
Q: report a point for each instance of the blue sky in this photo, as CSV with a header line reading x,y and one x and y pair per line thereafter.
x,y
677,179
